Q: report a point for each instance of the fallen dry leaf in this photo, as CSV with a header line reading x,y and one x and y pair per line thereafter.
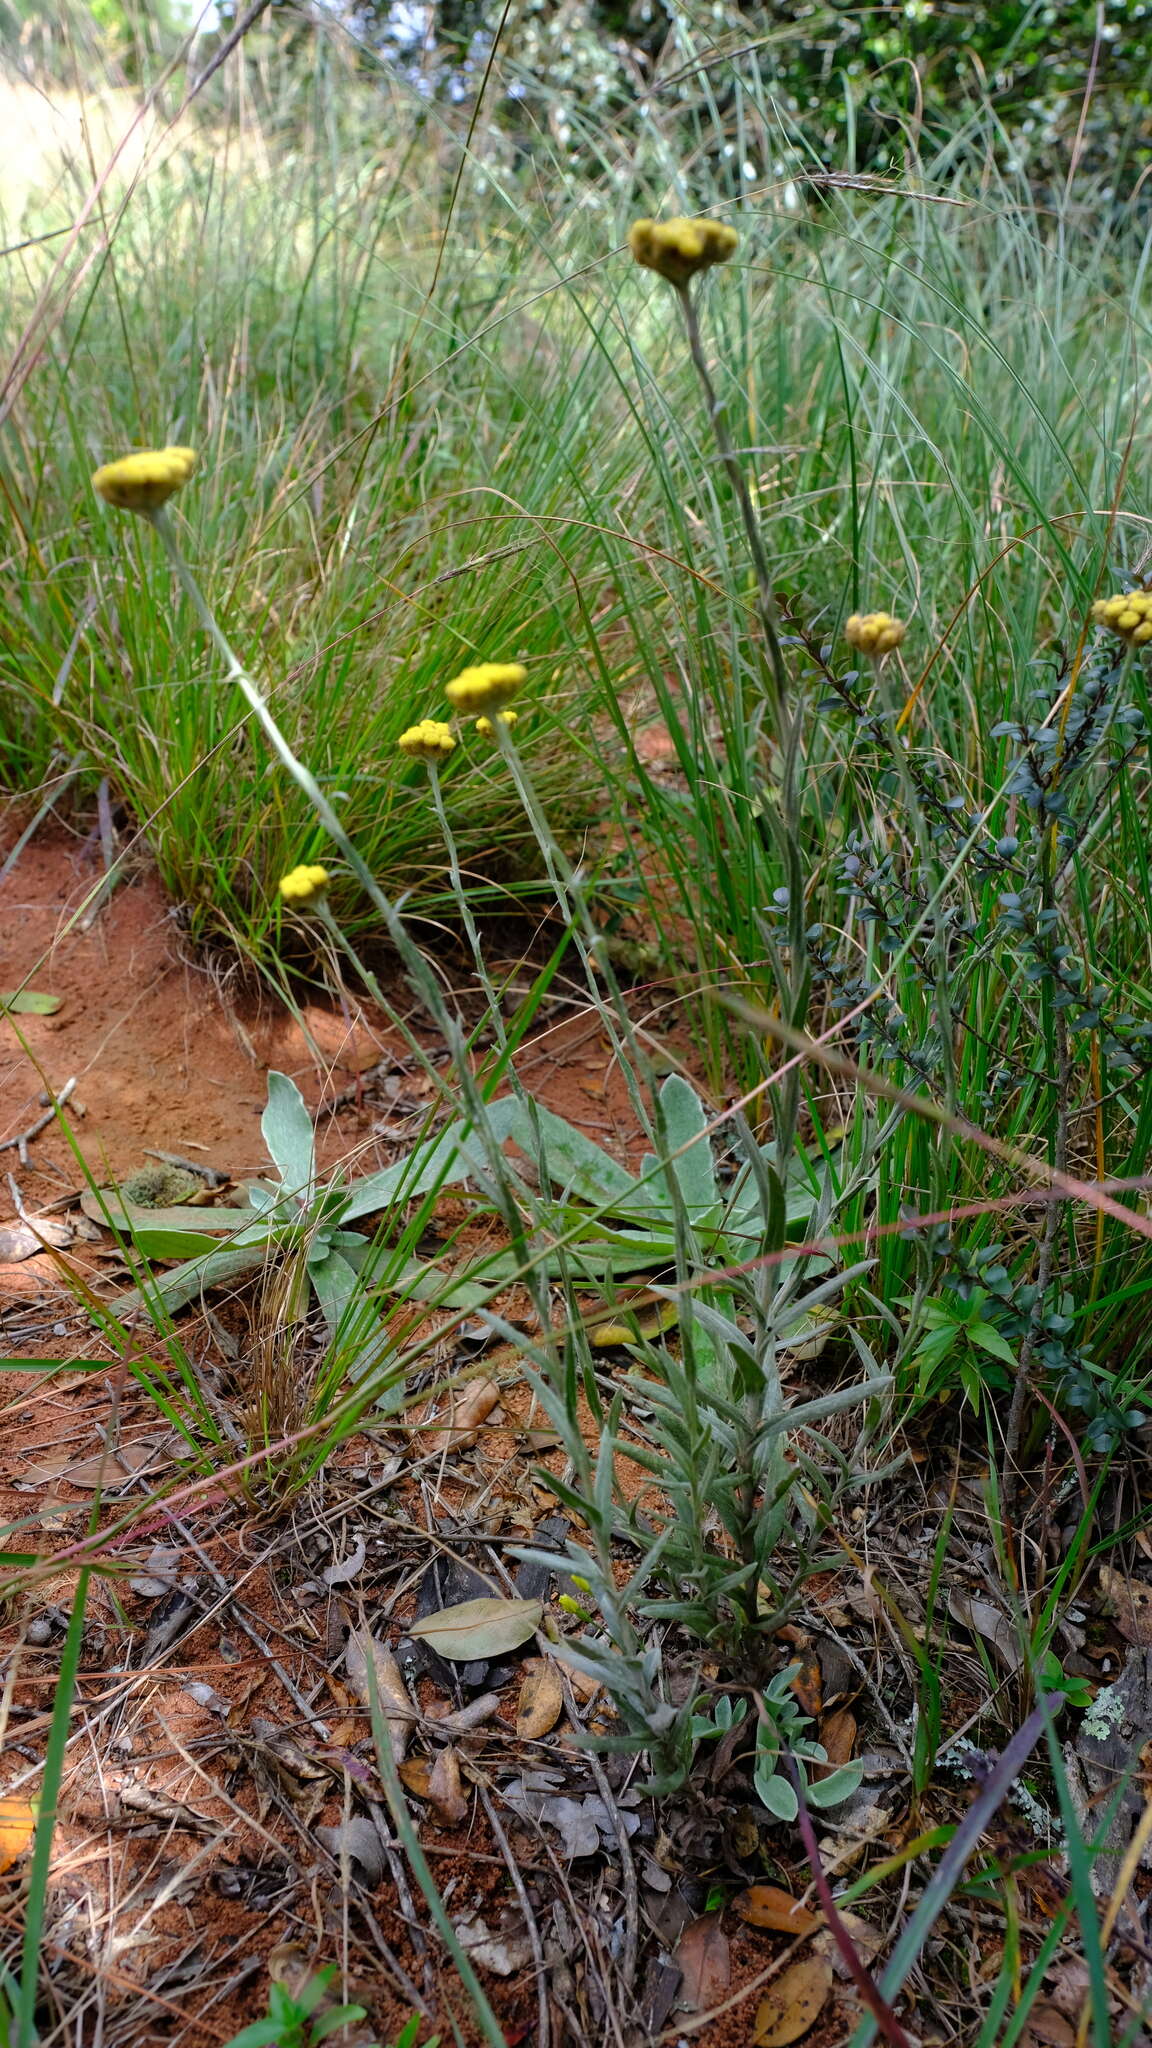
x,y
415,1772
503,1952
705,1964
466,1411
1048,2028
765,1905
356,1842
107,1469
23,1240
985,1619
444,1792
476,1629
838,1734
541,1700
866,1940
808,1686
1131,1603
793,2004
17,1827
395,1702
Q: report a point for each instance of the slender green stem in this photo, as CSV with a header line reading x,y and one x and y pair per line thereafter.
x,y
496,1014
24,2018
419,972
736,477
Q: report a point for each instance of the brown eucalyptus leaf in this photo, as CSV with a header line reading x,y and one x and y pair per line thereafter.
x,y
765,1905
415,1772
838,1734
395,1702
541,1700
793,2004
445,1795
107,1469
357,1842
478,1629
808,1685
985,1619
467,1409
23,1240
1048,2028
704,1960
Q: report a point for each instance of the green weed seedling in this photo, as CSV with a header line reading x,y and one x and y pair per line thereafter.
x,y
299,2019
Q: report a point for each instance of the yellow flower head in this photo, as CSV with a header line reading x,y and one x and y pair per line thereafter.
x,y
487,687
487,729
428,741
1129,614
304,887
679,248
874,633
141,483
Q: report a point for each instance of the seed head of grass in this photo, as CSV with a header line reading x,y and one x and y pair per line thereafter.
x,y
429,741
679,248
487,687
874,633
145,481
304,887
1129,613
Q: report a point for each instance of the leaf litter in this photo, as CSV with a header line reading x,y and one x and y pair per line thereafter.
x,y
251,1804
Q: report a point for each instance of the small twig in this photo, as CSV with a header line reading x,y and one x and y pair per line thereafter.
x,y
627,1865
24,1138
1013,1429
520,1889
224,1589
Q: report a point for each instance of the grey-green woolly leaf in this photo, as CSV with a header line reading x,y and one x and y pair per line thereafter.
x,y
353,1325
288,1134
437,1162
689,1150
571,1161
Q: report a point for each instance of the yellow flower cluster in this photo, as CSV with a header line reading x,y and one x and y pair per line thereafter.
x,y
679,248
428,741
304,887
486,728
1129,614
143,482
487,687
874,633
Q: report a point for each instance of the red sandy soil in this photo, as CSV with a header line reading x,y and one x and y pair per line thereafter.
x,y
161,1060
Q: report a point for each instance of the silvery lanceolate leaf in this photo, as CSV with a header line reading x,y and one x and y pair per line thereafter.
x,y
837,1787
287,1129
569,1160
777,1795
437,1162
689,1150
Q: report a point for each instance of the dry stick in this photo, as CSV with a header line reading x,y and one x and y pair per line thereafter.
x,y
1010,1474
24,1138
543,2025
627,1871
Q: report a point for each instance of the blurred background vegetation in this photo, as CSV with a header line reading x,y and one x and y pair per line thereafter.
x,y
858,83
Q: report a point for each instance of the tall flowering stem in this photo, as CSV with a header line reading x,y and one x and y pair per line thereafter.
x,y
735,474
419,973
